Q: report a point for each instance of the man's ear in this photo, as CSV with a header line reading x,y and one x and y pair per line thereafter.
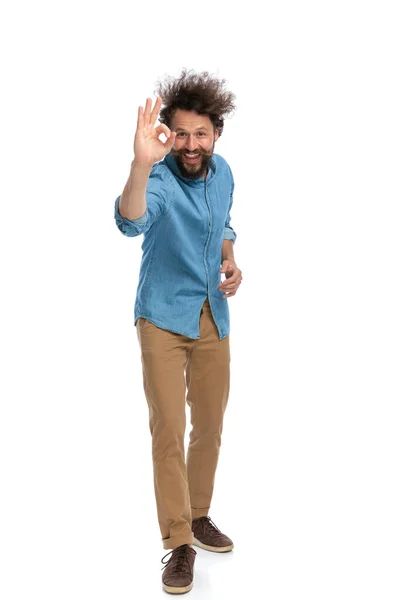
x,y
216,134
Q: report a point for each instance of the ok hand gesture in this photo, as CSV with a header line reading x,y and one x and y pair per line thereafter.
x,y
148,148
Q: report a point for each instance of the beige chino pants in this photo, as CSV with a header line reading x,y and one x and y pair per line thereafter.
x,y
179,369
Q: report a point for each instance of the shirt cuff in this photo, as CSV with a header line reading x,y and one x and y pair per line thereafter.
x,y
229,234
129,227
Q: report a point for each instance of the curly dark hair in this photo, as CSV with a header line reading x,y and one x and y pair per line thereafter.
x,y
199,92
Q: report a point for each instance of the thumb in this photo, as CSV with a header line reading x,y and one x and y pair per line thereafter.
x,y
225,263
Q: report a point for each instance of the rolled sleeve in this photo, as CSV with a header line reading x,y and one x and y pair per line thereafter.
x,y
229,232
129,227
156,204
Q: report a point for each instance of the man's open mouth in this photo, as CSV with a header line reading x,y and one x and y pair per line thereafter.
x,y
191,157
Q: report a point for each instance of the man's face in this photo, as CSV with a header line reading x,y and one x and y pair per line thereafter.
x,y
194,142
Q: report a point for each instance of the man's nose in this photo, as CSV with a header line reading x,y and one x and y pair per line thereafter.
x,y
191,142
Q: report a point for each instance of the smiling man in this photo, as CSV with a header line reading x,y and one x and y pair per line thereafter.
x,y
179,194
194,143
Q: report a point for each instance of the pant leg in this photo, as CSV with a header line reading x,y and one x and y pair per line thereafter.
x,y
207,380
164,357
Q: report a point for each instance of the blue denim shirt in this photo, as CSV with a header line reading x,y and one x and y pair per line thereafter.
x,y
183,229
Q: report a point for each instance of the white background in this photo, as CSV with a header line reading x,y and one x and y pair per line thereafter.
x,y
308,480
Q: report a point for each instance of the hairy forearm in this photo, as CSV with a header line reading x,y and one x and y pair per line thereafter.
x,y
132,203
227,251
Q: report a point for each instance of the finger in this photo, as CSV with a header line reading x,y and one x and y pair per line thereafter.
x,y
229,280
229,284
232,272
170,135
146,113
162,128
155,111
140,120
170,141
227,267
228,288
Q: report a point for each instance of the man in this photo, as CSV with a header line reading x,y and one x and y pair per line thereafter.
x,y
179,195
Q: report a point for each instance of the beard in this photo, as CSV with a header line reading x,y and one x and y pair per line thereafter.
x,y
193,171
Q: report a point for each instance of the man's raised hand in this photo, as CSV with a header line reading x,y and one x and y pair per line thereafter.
x,y
148,148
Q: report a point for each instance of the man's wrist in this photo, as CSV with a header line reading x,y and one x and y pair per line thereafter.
x,y
140,168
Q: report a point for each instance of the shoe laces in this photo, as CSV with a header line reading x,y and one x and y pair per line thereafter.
x,y
208,525
180,557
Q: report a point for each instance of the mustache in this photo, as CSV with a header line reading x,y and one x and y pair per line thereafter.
x,y
182,151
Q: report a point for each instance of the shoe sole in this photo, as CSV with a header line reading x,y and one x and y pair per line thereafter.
x,y
196,542
177,590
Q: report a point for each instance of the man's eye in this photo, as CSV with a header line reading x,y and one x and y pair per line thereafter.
x,y
201,133
181,133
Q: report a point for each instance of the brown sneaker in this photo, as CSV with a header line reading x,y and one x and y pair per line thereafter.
x,y
178,575
209,537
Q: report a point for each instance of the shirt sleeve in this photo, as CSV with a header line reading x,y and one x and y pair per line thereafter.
x,y
156,204
229,232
